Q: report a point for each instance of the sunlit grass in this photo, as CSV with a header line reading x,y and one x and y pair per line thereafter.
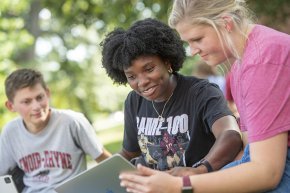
x,y
114,147
111,138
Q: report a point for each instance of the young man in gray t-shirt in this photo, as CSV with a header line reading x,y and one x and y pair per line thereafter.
x,y
48,144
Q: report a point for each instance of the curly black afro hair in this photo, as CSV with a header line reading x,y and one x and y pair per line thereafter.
x,y
148,37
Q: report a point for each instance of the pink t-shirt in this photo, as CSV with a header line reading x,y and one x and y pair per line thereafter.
x,y
260,84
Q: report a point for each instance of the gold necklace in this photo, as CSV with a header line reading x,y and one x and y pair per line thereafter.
x,y
160,117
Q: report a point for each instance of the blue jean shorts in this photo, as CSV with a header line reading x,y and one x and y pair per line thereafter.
x,y
245,158
284,185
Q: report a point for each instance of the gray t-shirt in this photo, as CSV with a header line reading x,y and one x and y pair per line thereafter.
x,y
52,155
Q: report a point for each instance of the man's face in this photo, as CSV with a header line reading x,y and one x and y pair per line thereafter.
x,y
32,104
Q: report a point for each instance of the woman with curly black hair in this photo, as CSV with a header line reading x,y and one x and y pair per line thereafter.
x,y
171,120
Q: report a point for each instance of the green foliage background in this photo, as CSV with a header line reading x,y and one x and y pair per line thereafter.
x,y
61,38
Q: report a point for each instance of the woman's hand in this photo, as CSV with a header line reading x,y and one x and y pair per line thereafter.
x,y
146,180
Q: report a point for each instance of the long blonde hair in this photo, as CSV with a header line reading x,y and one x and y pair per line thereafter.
x,y
212,13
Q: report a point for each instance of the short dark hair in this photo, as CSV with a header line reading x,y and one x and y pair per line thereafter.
x,y
22,78
148,37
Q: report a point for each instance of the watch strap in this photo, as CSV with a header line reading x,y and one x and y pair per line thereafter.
x,y
186,181
186,188
207,165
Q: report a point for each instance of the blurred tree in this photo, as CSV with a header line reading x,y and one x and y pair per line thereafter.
x,y
61,38
14,38
273,13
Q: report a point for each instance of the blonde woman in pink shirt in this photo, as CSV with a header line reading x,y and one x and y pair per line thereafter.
x,y
222,31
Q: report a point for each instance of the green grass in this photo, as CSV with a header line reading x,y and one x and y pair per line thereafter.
x,y
114,147
111,138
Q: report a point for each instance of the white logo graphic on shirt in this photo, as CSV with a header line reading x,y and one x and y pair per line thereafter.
x,y
163,144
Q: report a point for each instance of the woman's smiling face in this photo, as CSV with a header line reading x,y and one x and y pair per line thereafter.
x,y
149,77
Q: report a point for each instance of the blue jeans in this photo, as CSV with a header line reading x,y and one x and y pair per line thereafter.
x,y
245,158
284,185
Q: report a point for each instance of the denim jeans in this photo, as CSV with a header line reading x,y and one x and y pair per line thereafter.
x,y
284,185
245,158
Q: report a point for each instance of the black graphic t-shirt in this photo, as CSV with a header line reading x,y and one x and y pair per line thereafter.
x,y
185,137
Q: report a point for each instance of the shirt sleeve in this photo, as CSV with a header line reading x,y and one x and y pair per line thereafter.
x,y
6,158
130,139
86,137
211,103
266,100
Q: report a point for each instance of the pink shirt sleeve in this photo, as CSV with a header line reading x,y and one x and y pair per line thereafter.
x,y
261,84
266,101
263,93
